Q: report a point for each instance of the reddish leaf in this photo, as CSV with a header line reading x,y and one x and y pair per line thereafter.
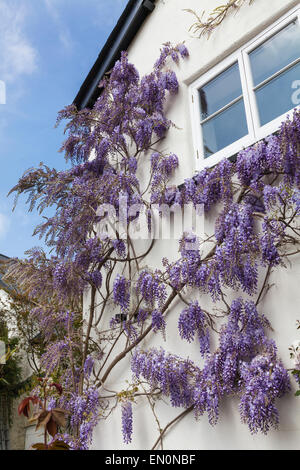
x,y
39,446
59,416
59,445
51,420
57,386
62,410
51,426
43,419
24,406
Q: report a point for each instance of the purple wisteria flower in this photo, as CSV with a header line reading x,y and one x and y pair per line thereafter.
x,y
127,421
245,363
151,288
192,321
83,415
265,379
88,366
121,291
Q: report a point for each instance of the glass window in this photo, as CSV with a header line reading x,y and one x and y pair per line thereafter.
x,y
277,96
260,87
220,91
224,129
275,53
275,68
222,111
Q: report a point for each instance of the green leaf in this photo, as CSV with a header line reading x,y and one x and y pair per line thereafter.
x,y
4,381
297,394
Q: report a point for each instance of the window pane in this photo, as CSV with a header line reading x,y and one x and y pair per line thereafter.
x,y
220,91
224,129
274,54
279,95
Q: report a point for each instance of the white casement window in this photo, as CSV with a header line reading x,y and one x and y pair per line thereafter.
x,y
247,96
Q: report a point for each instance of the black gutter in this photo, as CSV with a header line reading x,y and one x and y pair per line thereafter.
x,y
119,40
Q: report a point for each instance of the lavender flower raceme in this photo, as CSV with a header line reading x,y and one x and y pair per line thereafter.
x,y
122,292
83,414
245,363
151,288
127,421
191,321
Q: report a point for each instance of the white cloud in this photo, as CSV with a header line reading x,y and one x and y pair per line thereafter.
x,y
106,13
4,225
17,55
63,32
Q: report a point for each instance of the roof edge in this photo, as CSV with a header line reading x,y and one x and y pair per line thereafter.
x,y
129,23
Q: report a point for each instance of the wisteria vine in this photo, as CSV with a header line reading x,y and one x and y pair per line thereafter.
x,y
95,301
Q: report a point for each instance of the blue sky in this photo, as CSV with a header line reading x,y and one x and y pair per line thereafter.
x,y
47,47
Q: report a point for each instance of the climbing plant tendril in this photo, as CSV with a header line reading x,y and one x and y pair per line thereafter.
x,y
204,27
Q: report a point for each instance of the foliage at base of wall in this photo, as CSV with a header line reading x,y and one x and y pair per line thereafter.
x,y
11,372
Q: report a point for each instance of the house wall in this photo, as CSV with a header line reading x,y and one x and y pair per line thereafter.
x,y
169,22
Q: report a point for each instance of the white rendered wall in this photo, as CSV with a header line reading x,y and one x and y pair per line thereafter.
x,y
169,22
3,297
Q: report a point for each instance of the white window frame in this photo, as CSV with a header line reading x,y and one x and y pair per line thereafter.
x,y
256,131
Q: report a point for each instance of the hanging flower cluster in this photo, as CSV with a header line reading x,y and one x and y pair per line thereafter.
x,y
127,421
245,364
122,292
192,321
83,409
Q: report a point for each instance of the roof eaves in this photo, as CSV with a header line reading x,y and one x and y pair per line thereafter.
x,y
128,25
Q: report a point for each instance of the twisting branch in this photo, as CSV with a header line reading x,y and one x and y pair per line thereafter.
x,y
175,420
205,27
